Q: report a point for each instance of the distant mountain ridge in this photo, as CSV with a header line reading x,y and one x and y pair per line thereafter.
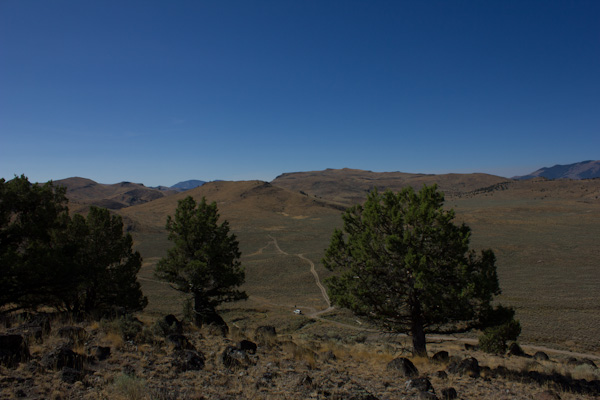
x,y
187,185
581,170
83,192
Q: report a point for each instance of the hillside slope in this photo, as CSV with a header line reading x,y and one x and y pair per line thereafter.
x,y
580,170
350,186
83,192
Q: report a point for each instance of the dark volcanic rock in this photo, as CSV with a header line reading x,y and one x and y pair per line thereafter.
x,y
441,357
404,365
233,358
180,342
516,350
100,353
71,375
449,394
189,360
541,356
468,366
420,384
215,323
62,356
441,374
75,334
173,324
13,350
247,346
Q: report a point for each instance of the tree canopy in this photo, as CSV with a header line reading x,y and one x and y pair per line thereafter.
x,y
104,264
403,264
204,260
83,265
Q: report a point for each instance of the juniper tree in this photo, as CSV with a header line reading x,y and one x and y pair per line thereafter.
x,y
204,260
104,265
404,265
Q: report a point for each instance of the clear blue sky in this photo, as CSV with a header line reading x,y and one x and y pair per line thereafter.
x,y
163,91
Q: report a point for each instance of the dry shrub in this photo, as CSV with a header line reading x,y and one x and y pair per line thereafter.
x,y
114,339
236,333
299,352
585,371
130,387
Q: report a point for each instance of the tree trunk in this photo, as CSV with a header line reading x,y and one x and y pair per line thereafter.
x,y
417,331
418,338
199,309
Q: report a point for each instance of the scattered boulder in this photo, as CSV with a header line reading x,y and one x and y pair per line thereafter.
x,y
471,347
13,350
427,396
189,360
34,329
100,353
173,323
420,384
468,366
61,357
541,356
486,372
234,358
247,346
404,365
515,350
180,342
215,324
75,334
441,357
71,375
440,374
449,393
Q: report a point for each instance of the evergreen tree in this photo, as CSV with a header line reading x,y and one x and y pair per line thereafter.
x,y
86,266
204,260
404,265
30,267
104,264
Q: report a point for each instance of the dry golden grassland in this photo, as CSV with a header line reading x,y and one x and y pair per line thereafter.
x,y
290,365
544,234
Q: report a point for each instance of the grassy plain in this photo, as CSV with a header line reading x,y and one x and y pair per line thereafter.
x,y
544,233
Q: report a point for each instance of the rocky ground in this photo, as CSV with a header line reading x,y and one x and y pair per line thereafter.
x,y
45,357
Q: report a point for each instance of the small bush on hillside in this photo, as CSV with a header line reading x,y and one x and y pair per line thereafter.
x,y
163,329
494,338
127,326
130,387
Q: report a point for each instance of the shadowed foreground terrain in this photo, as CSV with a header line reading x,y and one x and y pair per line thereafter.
x,y
127,359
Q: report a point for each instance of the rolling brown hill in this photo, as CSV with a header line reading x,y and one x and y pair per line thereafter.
x,y
84,192
350,186
544,234
241,202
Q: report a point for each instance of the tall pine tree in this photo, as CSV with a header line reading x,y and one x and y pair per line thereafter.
x,y
404,265
204,260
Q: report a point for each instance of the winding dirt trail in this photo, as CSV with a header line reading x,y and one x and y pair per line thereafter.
x,y
315,314
319,285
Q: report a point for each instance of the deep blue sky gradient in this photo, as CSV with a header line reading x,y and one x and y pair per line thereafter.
x,y
162,91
